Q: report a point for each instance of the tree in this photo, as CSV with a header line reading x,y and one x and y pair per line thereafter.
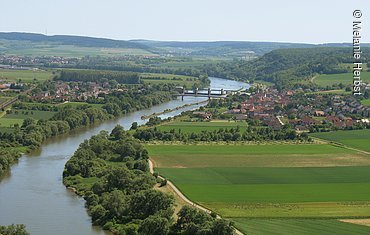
x,y
134,126
154,225
18,229
28,121
149,202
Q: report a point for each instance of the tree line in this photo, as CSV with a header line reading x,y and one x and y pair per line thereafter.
x,y
228,134
96,76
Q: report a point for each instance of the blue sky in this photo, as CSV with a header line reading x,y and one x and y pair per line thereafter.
x,y
313,21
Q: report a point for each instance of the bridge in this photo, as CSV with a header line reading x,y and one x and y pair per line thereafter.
x,y
210,92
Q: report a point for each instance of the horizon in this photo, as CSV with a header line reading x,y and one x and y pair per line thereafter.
x,y
186,41
314,22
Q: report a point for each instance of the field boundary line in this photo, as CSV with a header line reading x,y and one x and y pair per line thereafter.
x,y
183,197
337,144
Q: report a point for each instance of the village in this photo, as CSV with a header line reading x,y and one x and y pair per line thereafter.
x,y
304,112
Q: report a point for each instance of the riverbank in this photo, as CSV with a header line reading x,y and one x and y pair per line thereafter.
x,y
33,134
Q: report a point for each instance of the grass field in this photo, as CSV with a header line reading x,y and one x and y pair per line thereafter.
x,y
189,127
4,99
365,102
11,75
76,104
359,139
18,115
35,114
299,226
179,80
295,182
10,122
345,78
333,92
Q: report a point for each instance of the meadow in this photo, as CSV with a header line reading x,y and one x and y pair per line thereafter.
x,y
344,78
179,80
319,182
196,127
18,115
359,139
11,75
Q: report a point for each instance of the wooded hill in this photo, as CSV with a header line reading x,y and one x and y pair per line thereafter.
x,y
288,67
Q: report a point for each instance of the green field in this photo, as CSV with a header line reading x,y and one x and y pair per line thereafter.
x,y
179,80
35,114
76,104
294,182
4,99
365,102
10,122
18,115
359,139
344,78
299,227
197,127
11,75
50,49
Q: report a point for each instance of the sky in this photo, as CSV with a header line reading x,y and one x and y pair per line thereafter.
x,y
310,21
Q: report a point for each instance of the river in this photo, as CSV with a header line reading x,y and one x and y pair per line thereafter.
x,y
33,193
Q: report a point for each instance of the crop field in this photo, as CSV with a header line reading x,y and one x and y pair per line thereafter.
x,y
189,127
295,182
201,156
299,226
11,75
75,51
345,78
359,139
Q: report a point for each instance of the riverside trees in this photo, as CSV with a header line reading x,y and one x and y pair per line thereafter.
x,y
111,171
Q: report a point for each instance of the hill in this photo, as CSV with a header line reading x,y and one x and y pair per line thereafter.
x,y
287,67
72,40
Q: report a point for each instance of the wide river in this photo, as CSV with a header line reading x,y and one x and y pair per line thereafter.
x,y
33,193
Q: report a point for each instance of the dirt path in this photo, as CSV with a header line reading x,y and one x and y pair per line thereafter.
x,y
313,78
184,198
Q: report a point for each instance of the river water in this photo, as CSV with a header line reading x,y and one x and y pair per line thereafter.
x,y
33,193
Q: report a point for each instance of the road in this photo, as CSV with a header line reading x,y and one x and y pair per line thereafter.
x,y
183,197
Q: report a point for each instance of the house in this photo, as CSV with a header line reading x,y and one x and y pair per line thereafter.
x,y
319,113
203,115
